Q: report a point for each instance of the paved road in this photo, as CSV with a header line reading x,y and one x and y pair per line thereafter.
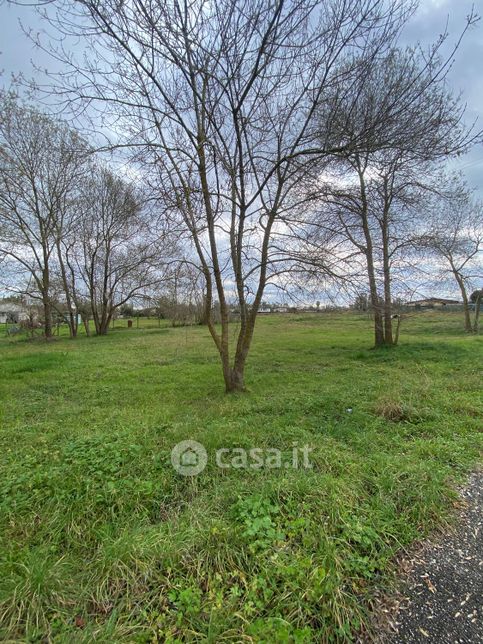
x,y
445,588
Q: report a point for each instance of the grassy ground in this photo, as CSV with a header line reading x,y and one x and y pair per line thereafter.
x,y
104,541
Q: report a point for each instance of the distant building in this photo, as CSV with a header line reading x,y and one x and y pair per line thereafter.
x,y
282,309
12,312
433,303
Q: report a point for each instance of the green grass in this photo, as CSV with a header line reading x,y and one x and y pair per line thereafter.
x,y
103,541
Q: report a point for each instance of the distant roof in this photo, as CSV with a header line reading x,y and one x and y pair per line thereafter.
x,y
435,300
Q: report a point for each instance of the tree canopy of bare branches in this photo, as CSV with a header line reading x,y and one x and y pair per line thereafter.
x,y
454,240
374,196
41,161
112,255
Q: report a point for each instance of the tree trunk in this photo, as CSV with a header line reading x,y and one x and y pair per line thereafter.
x,y
466,309
371,273
378,328
476,324
103,327
234,375
47,316
72,321
376,305
103,324
73,324
388,337
44,287
236,380
377,309
95,317
466,305
68,299
85,320
398,327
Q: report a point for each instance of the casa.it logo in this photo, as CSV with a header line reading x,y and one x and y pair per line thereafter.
x,y
189,458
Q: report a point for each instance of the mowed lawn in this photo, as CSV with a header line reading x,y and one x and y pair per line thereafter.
x,y
103,541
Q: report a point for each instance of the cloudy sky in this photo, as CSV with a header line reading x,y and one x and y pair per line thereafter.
x,y
17,52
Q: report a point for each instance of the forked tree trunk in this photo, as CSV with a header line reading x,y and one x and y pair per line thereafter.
x,y
102,320
382,307
103,326
234,373
237,372
236,380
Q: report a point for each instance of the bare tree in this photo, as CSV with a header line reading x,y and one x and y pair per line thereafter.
x,y
373,196
221,99
111,255
40,161
454,239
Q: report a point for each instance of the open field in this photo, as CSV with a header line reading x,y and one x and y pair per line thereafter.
x,y
103,541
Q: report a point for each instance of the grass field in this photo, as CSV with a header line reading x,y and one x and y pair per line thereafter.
x,y
103,541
